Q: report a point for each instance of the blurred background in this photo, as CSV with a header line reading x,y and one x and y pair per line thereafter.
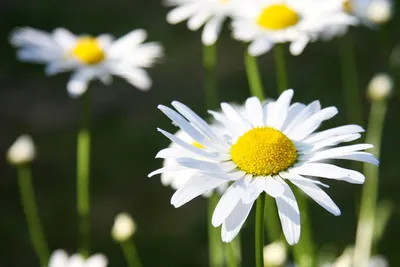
x,y
125,139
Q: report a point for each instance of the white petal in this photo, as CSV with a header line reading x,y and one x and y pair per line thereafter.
x,y
329,171
136,76
60,66
124,44
228,202
297,47
289,214
259,47
198,20
206,166
336,152
254,111
281,109
59,258
272,187
346,129
195,187
76,261
64,38
182,13
212,29
293,111
234,222
172,168
304,114
318,195
78,83
235,117
174,152
253,191
333,141
97,260
293,176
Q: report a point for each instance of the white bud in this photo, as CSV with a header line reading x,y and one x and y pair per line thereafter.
x,y
22,151
380,87
274,254
124,227
379,11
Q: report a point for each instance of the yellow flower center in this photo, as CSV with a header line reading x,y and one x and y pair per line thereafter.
x,y
278,17
347,6
88,51
197,144
263,151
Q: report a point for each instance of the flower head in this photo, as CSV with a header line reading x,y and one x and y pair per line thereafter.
x,y
210,13
380,87
275,254
60,258
272,145
124,227
370,12
266,23
22,151
89,57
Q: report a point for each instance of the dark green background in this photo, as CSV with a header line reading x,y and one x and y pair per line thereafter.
x,y
125,139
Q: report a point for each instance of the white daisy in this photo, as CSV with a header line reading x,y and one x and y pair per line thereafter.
x,y
60,258
267,22
276,143
210,13
89,57
370,12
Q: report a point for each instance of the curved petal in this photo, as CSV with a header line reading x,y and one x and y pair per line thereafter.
x,y
234,222
212,29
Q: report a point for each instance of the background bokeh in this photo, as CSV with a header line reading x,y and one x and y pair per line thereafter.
x,y
125,139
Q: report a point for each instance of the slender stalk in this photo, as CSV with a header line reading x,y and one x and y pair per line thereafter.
x,y
130,253
83,175
303,252
210,65
350,81
216,252
253,76
366,220
259,231
32,216
280,66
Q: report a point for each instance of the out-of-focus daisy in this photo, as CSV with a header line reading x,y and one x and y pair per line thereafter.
x,y
370,12
267,22
210,13
274,144
60,258
346,260
177,179
22,151
89,57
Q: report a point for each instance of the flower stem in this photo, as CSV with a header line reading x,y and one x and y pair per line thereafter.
x,y
303,252
130,253
210,65
280,66
253,76
233,252
216,252
83,172
350,81
31,213
366,220
259,231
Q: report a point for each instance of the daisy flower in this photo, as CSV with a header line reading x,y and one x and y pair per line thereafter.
x,y
60,258
370,12
210,13
89,57
265,23
273,145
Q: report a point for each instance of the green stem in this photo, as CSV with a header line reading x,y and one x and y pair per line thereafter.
x,y
32,216
366,221
259,231
350,81
83,175
210,64
280,66
130,253
253,76
216,252
233,252
303,252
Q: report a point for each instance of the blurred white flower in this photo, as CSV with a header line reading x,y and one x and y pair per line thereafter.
x,y
22,151
60,258
275,254
124,227
380,87
210,13
267,22
89,57
370,12
346,260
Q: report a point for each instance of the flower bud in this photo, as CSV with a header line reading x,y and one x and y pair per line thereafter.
x,y
22,151
379,11
380,87
124,227
274,254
